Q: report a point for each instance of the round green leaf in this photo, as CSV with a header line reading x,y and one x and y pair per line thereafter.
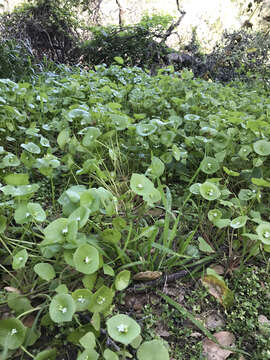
x,y
62,308
153,350
36,212
122,280
192,117
31,147
195,188
49,354
157,167
101,300
86,259
145,129
45,271
82,298
262,147
214,215
123,329
56,231
19,260
209,165
209,191
120,121
88,354
238,222
12,333
10,160
88,341
90,137
141,185
17,179
167,137
263,231
110,355
20,190
246,194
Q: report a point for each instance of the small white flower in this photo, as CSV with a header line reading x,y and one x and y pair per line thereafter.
x,y
13,331
100,300
81,299
87,260
140,186
266,234
64,231
122,328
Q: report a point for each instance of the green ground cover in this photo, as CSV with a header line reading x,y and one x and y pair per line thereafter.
x,y
113,175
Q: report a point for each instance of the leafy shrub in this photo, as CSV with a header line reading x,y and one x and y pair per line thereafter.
x,y
139,45
16,60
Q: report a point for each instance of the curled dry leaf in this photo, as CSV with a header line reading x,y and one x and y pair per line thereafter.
x,y
12,289
219,269
147,275
214,321
213,351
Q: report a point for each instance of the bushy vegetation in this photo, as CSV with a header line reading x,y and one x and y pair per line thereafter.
x,y
112,172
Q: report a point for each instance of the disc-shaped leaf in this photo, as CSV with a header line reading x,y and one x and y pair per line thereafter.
x,y
238,222
123,329
63,138
56,231
192,117
153,350
88,341
246,194
112,236
244,151
121,122
214,215
209,191
157,167
10,160
81,215
82,298
88,354
86,259
195,188
62,308
167,137
31,147
263,231
145,129
122,280
91,200
12,333
17,179
45,271
101,300
262,147
49,354
22,215
36,212
110,355
209,165
19,260
19,190
90,137
204,246
141,185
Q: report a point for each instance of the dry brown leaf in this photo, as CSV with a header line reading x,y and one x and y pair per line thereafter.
x,y
214,321
219,269
12,289
29,321
147,275
212,351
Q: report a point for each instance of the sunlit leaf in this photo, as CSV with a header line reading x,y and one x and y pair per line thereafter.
x,y
123,329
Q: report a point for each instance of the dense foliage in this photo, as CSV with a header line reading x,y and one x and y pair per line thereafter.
x,y
109,172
